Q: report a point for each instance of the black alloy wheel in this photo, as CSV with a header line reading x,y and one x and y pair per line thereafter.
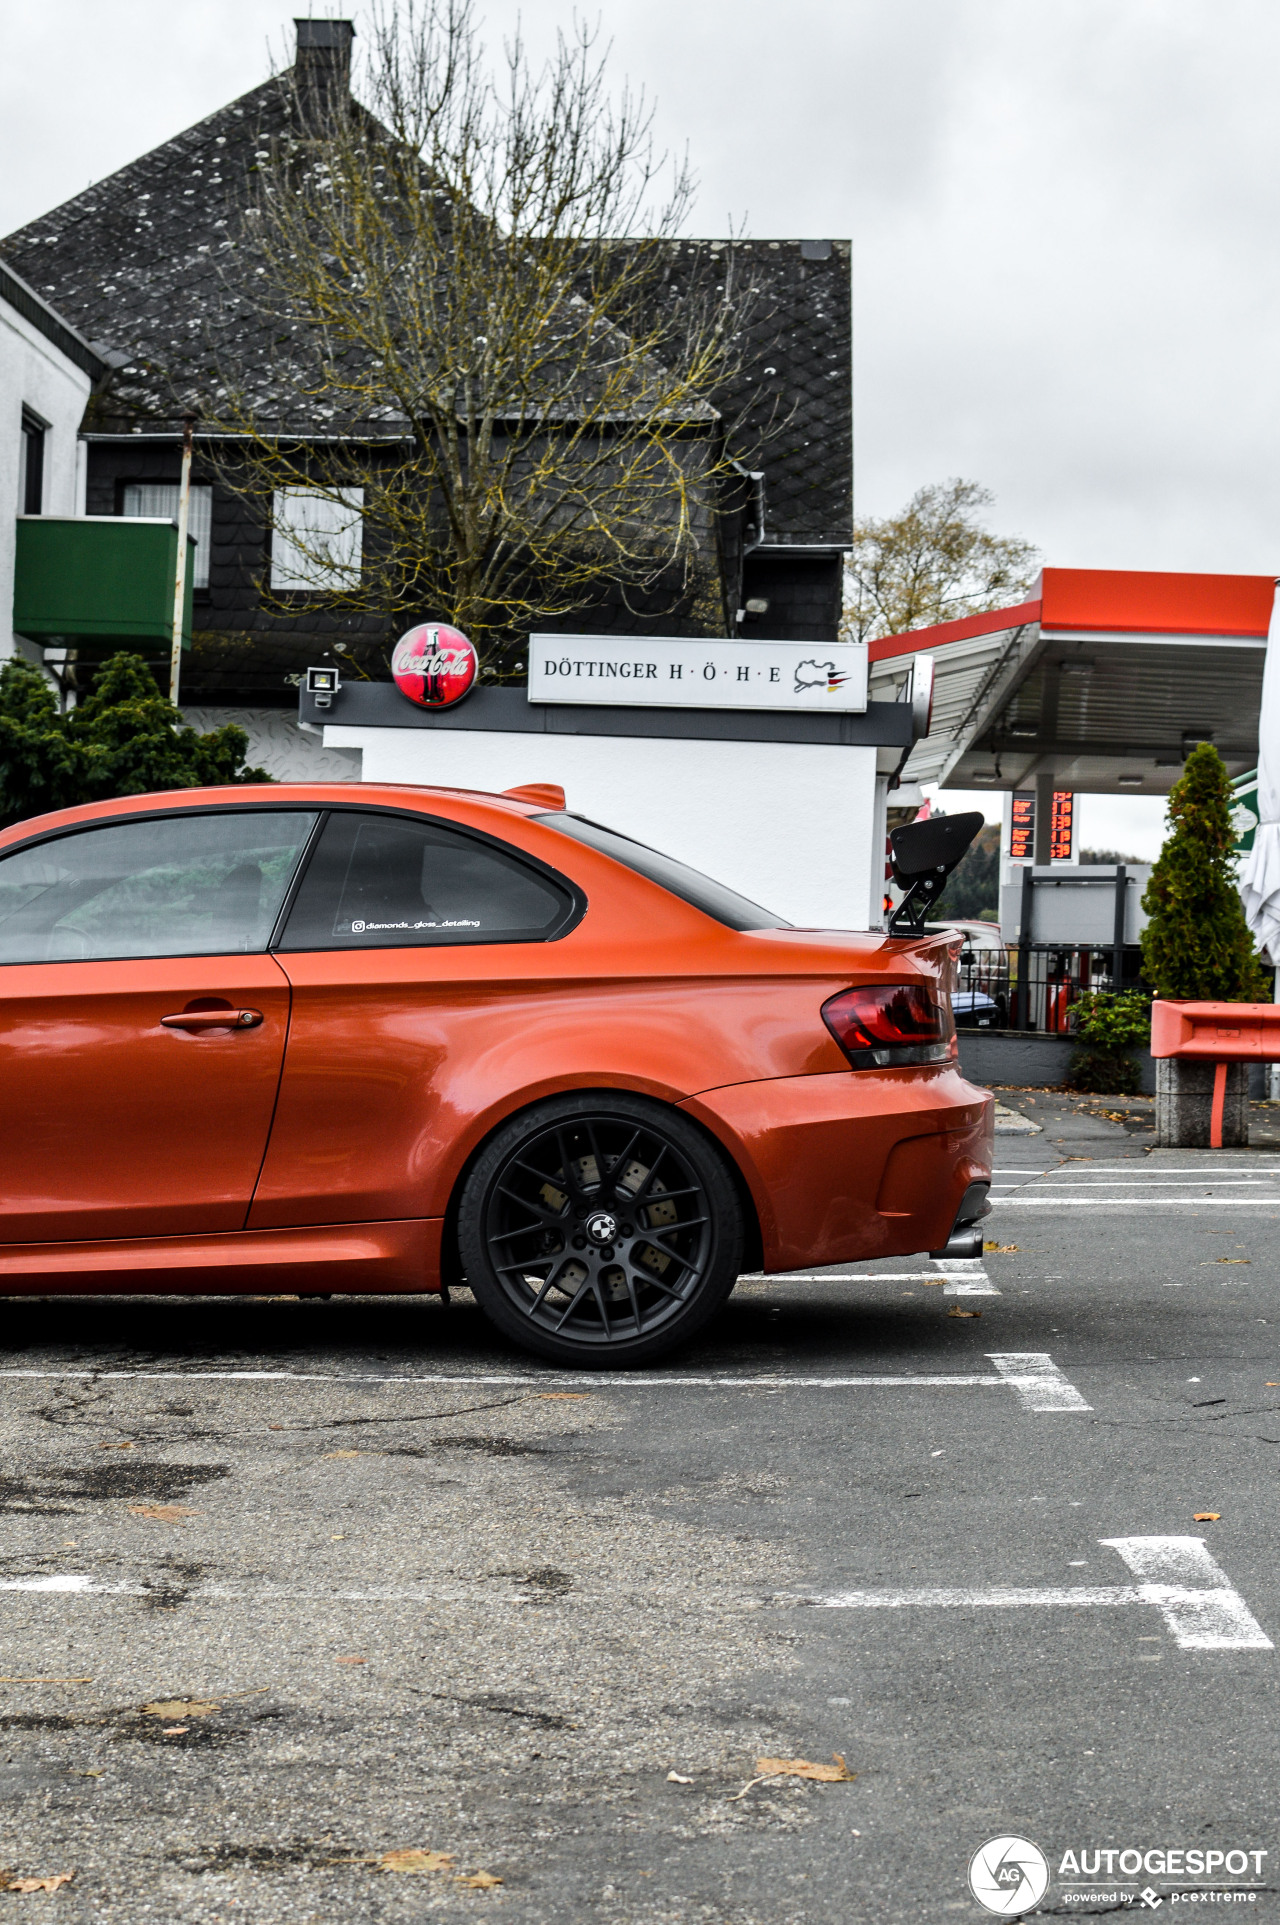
x,y
600,1230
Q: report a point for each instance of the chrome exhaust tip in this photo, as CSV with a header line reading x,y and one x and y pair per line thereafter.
x,y
965,1241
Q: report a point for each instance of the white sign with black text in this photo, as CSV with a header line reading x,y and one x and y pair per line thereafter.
x,y
807,678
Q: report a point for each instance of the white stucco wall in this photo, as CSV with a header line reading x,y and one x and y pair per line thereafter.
x,y
792,825
35,374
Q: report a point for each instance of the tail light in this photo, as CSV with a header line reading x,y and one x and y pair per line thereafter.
x,y
886,1024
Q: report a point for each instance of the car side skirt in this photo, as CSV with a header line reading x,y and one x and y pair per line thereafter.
x,y
398,1256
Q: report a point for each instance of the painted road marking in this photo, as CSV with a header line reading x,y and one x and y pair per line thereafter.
x,y
844,1276
1133,1202
1195,1597
1037,1379
965,1277
1032,1374
1199,1604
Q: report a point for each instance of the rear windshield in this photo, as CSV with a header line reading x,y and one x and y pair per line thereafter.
x,y
713,898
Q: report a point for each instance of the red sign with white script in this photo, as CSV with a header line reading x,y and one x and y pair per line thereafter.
x,y
434,666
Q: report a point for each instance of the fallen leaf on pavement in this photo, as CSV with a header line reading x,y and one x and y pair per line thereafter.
x,y
1001,1249
836,1774
117,1447
181,1707
1207,1517
1233,1259
676,1778
342,1453
417,1861
351,1660
479,1881
163,1513
958,1312
39,1884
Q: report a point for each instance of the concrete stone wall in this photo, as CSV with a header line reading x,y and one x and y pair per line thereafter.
x,y
1031,1061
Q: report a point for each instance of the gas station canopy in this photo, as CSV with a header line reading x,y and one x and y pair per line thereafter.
x,y
1104,682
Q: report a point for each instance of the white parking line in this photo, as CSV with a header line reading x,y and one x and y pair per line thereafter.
x,y
844,1276
1193,1594
1037,1379
1133,1202
965,1277
1039,1383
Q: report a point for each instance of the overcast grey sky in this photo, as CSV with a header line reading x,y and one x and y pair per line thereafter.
x,y
1065,215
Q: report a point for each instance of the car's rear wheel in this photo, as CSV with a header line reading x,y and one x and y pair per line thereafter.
x,y
600,1231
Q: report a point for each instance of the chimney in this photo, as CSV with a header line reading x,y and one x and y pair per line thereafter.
x,y
322,64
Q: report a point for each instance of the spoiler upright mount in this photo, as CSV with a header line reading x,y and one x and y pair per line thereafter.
x,y
923,856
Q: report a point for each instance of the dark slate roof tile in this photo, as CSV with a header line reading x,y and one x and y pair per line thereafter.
x,y
137,264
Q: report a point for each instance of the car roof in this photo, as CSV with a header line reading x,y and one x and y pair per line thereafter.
x,y
276,794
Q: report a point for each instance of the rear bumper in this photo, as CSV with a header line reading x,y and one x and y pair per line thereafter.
x,y
853,1165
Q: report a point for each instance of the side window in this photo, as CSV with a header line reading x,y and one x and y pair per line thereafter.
x,y
181,885
385,882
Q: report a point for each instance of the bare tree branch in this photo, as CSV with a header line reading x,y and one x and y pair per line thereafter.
x,y
463,316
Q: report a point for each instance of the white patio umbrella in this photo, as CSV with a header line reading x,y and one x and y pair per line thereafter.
x,y
1260,875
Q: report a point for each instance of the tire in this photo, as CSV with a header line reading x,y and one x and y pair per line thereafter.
x,y
600,1231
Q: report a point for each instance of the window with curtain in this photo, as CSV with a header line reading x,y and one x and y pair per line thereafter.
x,y
317,540
161,498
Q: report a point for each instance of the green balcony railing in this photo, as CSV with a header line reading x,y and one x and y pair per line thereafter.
x,y
99,581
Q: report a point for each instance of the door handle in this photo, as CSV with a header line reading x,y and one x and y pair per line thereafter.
x,y
213,1019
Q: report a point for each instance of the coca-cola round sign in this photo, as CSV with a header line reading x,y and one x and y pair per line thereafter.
x,y
434,666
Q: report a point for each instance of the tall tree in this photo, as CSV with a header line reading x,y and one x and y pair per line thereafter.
x,y
517,396
931,563
1197,943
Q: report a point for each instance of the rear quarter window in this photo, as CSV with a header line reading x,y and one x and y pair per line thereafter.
x,y
714,899
392,882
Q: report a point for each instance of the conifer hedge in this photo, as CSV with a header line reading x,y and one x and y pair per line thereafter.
x,y
1197,944
124,738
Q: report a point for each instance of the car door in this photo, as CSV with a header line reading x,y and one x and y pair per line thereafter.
x,y
142,1021
405,935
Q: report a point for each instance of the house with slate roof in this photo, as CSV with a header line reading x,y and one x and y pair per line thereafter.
x,y
136,263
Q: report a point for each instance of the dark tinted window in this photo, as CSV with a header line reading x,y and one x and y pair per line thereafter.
x,y
713,898
179,885
386,882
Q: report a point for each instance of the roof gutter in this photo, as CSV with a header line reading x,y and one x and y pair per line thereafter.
x,y
25,301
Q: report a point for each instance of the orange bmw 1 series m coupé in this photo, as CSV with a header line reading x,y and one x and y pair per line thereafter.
x,y
323,1038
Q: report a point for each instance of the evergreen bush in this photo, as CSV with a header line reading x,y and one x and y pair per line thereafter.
x,y
125,738
1197,945
1107,1028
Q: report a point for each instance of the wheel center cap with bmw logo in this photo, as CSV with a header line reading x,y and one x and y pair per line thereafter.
x,y
602,1228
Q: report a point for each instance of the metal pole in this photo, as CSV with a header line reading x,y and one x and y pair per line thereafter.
x,y
180,579
1024,951
1117,945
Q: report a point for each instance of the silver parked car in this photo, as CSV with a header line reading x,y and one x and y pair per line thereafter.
x,y
981,999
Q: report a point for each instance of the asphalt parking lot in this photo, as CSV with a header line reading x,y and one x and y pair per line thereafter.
x,y
345,1611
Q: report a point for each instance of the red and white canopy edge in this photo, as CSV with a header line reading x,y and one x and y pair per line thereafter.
x,y
1260,876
